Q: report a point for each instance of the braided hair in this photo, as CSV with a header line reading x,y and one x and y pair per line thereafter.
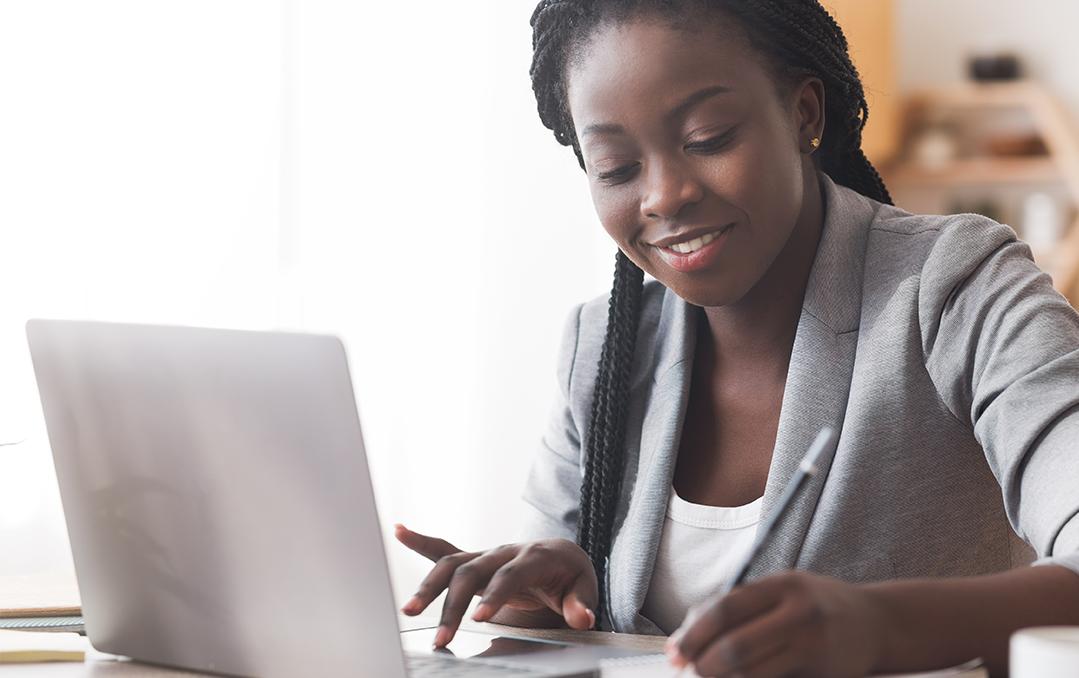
x,y
800,39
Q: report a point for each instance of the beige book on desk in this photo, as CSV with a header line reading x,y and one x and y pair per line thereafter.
x,y
657,666
32,646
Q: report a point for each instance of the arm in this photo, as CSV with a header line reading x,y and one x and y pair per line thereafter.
x,y
937,623
801,622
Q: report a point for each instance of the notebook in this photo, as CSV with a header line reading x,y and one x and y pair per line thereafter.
x,y
220,509
657,666
30,646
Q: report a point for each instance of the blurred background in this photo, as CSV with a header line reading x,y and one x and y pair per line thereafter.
x,y
377,171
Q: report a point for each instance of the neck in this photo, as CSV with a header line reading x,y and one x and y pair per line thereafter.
x,y
760,328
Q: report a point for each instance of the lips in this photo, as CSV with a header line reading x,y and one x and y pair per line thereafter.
x,y
696,243
697,253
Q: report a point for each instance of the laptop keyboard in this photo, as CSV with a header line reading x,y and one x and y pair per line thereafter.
x,y
447,666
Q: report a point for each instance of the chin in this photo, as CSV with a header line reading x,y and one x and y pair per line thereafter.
x,y
707,299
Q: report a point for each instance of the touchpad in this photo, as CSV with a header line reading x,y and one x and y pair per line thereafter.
x,y
515,650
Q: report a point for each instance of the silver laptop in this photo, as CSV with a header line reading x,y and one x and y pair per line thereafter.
x,y
220,509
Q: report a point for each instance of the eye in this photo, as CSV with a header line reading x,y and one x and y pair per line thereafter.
x,y
619,174
711,144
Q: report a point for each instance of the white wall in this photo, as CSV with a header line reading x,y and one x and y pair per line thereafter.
x,y
372,171
138,182
445,234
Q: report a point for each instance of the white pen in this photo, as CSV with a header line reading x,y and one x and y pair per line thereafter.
x,y
806,470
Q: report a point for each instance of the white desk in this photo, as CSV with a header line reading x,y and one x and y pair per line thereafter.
x,y
60,594
107,667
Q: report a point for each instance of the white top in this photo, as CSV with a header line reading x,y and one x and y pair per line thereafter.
x,y
699,551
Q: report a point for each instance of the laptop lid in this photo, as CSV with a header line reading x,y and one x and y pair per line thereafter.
x,y
217,498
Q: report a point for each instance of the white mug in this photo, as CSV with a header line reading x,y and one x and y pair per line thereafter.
x,y
1045,652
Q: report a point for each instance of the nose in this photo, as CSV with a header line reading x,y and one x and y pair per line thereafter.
x,y
670,185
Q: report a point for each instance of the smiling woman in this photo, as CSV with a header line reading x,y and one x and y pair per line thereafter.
x,y
722,144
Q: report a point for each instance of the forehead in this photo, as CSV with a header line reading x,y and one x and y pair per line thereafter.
x,y
650,65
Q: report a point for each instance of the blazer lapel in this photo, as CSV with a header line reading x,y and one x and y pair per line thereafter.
x,y
822,362
650,464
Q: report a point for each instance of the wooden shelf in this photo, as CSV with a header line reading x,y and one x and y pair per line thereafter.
x,y
1038,169
1048,120
1014,94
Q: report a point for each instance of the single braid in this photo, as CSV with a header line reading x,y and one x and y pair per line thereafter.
x,y
607,433
800,39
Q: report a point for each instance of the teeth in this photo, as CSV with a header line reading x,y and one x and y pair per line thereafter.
x,y
695,244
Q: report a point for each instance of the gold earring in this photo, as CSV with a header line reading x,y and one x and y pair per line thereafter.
x,y
814,142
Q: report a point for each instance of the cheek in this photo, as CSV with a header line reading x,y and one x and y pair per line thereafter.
x,y
767,185
616,211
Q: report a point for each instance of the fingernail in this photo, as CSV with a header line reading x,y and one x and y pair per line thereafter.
x,y
591,618
675,657
411,605
442,637
482,613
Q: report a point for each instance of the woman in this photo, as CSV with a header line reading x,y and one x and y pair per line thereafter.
x,y
722,146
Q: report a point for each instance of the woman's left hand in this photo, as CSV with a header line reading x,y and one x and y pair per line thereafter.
x,y
792,623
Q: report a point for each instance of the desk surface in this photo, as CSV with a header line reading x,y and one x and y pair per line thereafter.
x,y
106,666
59,593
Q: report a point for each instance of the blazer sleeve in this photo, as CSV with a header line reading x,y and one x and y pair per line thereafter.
x,y
1002,347
553,492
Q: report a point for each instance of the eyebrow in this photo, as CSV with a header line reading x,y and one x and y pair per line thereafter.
x,y
598,128
696,98
679,109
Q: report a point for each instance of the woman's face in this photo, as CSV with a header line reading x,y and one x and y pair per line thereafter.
x,y
697,163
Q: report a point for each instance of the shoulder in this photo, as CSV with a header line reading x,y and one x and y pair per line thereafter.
x,y
592,316
662,321
941,240
916,240
937,254
963,262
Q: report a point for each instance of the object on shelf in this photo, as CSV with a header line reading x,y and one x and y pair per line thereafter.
x,y
994,67
935,147
1017,146
1041,221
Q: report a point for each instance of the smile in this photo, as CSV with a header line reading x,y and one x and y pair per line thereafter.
x,y
696,243
696,254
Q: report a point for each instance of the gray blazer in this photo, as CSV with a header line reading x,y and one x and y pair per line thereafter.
x,y
938,350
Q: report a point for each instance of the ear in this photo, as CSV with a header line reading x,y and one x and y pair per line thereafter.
x,y
809,113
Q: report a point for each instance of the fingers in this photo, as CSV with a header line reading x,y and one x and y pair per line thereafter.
x,y
756,648
580,601
775,666
514,573
556,574
786,624
470,576
577,612
431,548
436,581
553,573
709,622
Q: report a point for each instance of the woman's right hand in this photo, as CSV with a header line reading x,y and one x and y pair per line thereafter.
x,y
553,574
